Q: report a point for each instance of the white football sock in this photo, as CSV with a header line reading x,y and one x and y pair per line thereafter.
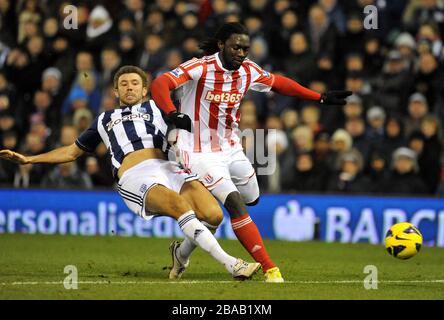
x,y
195,231
187,246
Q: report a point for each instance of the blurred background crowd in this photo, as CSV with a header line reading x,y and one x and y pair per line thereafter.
x,y
387,139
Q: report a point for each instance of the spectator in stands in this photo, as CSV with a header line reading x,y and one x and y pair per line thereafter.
x,y
99,31
52,83
354,62
43,105
373,57
349,178
152,57
288,25
67,176
375,130
9,140
417,110
7,121
430,155
321,32
189,26
393,136
325,70
354,37
16,66
85,89
98,177
303,176
406,45
29,14
128,47
355,82
137,12
7,93
403,178
429,80
82,119
310,116
378,171
335,14
301,63
290,120
356,128
64,58
110,61
190,47
31,174
341,142
394,83
8,30
427,11
322,152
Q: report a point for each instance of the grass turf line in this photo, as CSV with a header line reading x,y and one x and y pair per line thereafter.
x,y
134,268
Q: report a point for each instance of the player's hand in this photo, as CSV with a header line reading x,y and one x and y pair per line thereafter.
x,y
179,120
335,97
13,156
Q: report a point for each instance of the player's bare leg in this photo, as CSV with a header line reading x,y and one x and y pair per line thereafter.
x,y
203,203
161,200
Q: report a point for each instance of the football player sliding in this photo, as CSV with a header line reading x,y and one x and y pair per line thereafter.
x,y
134,134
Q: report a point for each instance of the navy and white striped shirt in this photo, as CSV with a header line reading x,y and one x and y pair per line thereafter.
x,y
126,130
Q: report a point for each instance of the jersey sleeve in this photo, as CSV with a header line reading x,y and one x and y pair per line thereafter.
x,y
189,70
261,80
90,138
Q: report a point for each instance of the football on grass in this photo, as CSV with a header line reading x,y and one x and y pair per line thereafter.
x,y
403,240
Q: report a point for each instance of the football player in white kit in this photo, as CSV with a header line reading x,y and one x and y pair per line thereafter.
x,y
212,89
148,183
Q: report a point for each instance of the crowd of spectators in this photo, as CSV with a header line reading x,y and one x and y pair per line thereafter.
x,y
54,79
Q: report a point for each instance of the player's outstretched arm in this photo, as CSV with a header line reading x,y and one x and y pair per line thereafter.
x,y
289,87
59,155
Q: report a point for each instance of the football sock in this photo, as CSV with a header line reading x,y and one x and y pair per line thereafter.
x,y
248,234
187,246
202,237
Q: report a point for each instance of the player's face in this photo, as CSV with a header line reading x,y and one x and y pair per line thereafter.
x,y
130,89
234,51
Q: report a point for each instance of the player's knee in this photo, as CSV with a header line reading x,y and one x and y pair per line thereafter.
x,y
250,192
253,203
235,205
222,189
214,215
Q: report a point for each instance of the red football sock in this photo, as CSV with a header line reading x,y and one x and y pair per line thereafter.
x,y
248,234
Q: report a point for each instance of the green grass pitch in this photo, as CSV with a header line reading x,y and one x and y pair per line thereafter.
x,y
32,267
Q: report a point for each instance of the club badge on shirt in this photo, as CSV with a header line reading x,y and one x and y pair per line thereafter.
x,y
177,72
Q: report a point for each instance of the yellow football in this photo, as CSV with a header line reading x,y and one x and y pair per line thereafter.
x,y
403,240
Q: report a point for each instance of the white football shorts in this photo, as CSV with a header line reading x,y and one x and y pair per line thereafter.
x,y
135,182
223,172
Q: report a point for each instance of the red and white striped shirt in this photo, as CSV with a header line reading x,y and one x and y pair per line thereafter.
x,y
211,97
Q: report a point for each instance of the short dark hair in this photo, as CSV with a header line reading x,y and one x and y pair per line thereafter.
x,y
209,46
130,69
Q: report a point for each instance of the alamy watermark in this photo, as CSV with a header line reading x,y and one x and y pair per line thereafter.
x,y
71,280
371,17
371,281
71,20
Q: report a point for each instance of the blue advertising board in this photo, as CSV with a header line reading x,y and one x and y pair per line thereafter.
x,y
286,217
